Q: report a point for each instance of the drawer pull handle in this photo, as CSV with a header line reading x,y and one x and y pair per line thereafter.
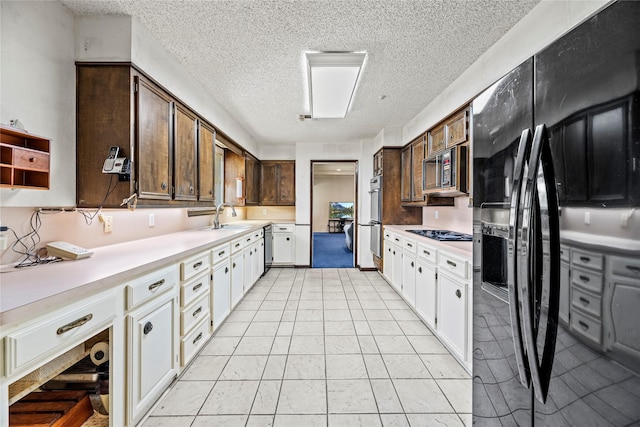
x,y
198,338
32,159
75,324
585,259
198,286
148,327
197,312
237,244
452,264
197,265
584,325
634,268
397,240
249,239
410,245
283,229
458,293
584,278
426,252
220,253
156,285
411,263
584,301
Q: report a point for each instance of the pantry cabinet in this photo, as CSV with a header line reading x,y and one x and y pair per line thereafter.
x,y
278,183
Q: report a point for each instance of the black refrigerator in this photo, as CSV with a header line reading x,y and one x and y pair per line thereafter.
x,y
556,169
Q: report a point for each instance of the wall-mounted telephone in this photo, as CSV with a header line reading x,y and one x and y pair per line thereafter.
x,y
67,250
115,164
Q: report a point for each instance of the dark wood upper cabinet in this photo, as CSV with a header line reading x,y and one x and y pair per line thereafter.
x,y
437,139
185,154
278,183
405,177
206,161
233,169
393,210
252,180
417,156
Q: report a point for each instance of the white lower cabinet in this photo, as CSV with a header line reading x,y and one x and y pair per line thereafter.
x,y
387,260
426,292
221,295
237,278
283,244
396,269
452,312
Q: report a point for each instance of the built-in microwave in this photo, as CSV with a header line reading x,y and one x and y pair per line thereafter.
x,y
446,172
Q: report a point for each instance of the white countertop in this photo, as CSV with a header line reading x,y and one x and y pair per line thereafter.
x,y
464,249
30,290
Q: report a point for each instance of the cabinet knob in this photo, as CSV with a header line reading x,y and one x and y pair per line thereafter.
x,y
148,327
288,238
226,270
210,192
32,159
419,269
163,185
191,189
458,293
411,263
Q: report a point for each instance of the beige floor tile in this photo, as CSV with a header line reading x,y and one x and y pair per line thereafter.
x,y
429,420
443,366
289,315
268,316
458,392
350,396
342,344
421,396
340,304
305,366
380,314
394,420
262,329
260,421
336,315
219,420
232,329
394,344
184,398
273,305
254,346
307,345
403,314
339,328
266,399
310,304
302,397
168,422
375,366
205,368
405,366
427,345
386,397
220,346
241,316
368,344
362,327
385,327
244,368
281,345
311,315
308,328
414,327
300,420
345,366
354,420
230,398
285,329
274,370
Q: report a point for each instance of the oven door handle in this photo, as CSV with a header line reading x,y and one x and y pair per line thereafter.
x,y
540,263
513,259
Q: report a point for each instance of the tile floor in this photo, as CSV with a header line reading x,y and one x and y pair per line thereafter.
x,y
319,347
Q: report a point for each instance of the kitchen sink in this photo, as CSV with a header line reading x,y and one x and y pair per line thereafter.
x,y
234,226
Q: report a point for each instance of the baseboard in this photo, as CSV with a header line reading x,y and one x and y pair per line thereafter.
x,y
367,268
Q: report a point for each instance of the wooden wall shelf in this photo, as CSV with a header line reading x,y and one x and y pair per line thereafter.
x,y
24,159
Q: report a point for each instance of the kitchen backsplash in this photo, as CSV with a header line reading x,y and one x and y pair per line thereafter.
x,y
456,218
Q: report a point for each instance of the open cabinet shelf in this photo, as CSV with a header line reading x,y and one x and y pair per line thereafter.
x,y
24,159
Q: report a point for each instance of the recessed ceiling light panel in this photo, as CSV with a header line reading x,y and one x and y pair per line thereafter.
x,y
332,82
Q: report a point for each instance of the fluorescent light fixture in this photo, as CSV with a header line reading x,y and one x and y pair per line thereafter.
x,y
332,82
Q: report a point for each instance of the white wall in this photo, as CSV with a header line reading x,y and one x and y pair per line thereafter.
x,y
330,188
37,83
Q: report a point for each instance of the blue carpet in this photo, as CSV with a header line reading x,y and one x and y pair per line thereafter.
x,y
330,251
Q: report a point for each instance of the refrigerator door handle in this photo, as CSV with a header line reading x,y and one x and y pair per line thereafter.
x,y
513,258
540,272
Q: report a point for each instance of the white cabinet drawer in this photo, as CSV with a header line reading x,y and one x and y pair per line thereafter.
x,y
258,234
453,265
586,302
194,265
237,245
628,267
220,253
195,312
283,228
388,235
194,341
587,279
195,287
248,239
564,253
397,240
410,247
148,286
33,344
587,259
427,253
586,326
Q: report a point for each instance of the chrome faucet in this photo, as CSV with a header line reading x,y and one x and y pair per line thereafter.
x,y
216,220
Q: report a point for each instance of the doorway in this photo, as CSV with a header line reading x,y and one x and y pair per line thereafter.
x,y
334,195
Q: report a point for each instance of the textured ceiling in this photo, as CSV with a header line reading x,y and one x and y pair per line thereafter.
x,y
249,54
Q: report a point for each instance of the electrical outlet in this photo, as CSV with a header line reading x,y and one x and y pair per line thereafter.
x,y
587,218
264,211
437,214
107,223
152,220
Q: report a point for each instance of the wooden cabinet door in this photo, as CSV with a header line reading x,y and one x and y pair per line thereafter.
x,y
153,132
206,160
268,188
417,156
437,140
405,177
252,180
185,154
457,129
233,168
287,183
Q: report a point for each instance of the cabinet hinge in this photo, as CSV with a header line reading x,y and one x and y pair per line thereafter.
x,y
135,186
135,87
436,276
